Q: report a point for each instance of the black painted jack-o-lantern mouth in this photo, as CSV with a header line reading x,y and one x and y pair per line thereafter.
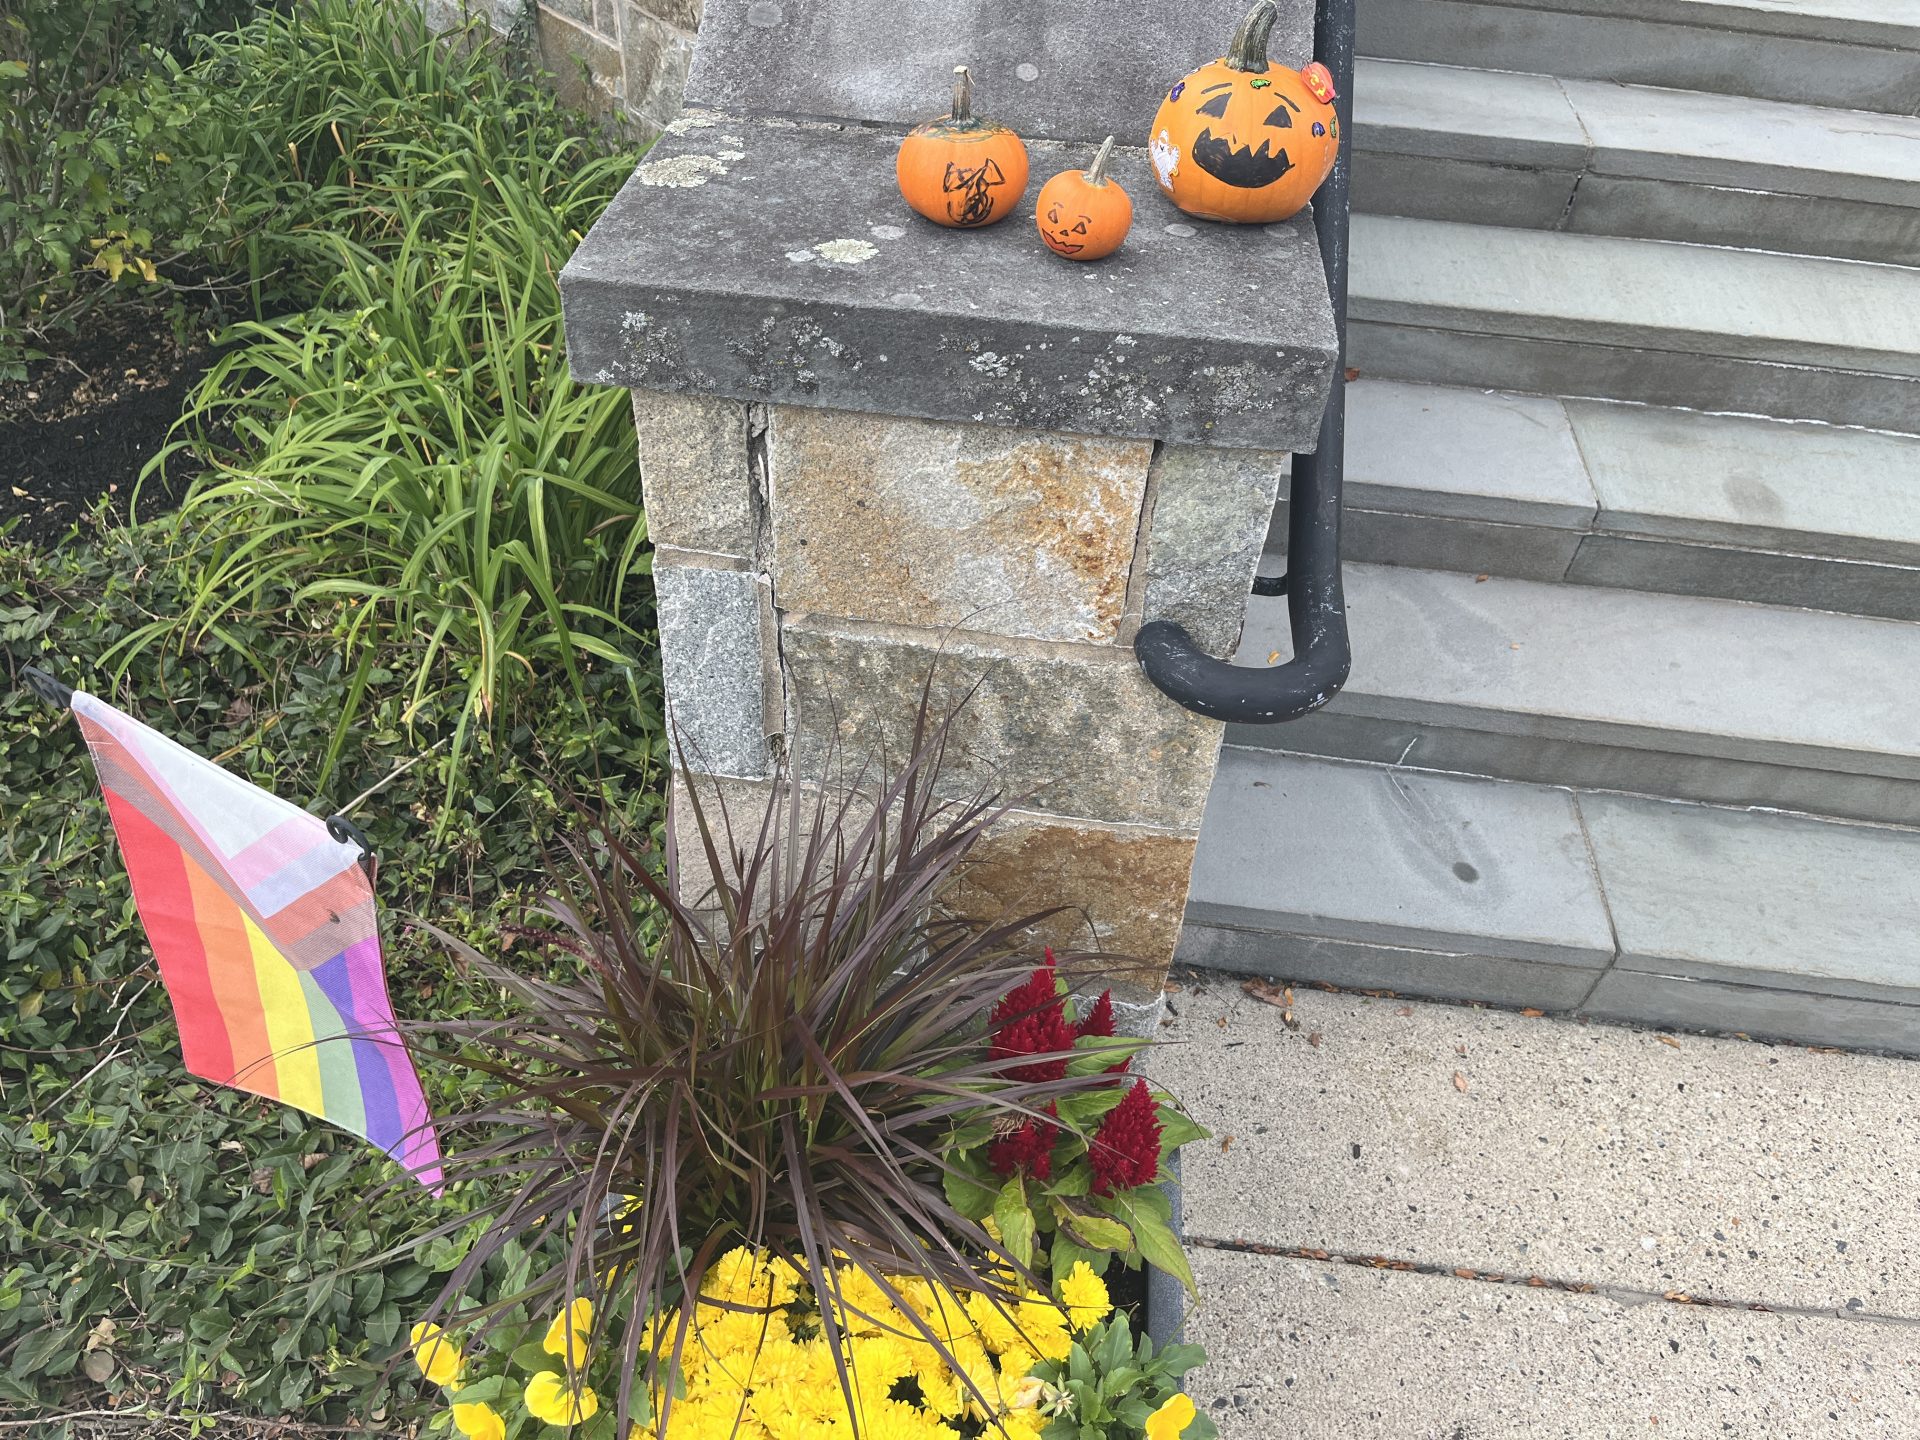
x,y
1242,166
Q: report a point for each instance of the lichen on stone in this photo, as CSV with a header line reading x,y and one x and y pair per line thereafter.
x,y
682,172
847,252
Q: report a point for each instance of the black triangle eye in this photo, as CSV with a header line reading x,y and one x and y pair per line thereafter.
x,y
1281,118
1216,107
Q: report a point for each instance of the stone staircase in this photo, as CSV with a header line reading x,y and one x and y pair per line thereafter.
x,y
1633,531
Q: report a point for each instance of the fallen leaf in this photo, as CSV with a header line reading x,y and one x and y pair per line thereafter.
x,y
1169,988
1314,1039
262,1181
1352,374
1531,1013
1668,1040
1273,657
1464,1273
1481,579
307,1162
1459,1082
1404,1010
1268,993
1226,1143
98,1365
1679,1297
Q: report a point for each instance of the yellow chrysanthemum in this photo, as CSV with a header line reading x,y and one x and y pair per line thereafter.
x,y
1171,1418
1016,1425
1017,1362
940,1388
550,1398
1085,1296
1043,1325
568,1333
479,1422
994,1322
439,1359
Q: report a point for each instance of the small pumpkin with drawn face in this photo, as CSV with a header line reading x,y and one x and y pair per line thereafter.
x,y
1082,214
962,170
1245,140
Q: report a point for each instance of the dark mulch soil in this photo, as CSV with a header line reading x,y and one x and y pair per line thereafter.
x,y
86,419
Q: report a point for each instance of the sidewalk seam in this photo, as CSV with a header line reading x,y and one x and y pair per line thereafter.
x,y
1621,1294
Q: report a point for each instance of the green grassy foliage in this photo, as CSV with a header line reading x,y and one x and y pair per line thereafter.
x,y
410,443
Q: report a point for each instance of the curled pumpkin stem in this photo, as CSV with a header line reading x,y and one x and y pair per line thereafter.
x,y
1249,48
1097,172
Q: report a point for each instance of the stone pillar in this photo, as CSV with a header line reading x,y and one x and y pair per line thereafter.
x,y
872,448
814,566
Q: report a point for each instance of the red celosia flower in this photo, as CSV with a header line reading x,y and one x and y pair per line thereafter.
x,y
1031,1019
1029,1148
1099,1020
1126,1148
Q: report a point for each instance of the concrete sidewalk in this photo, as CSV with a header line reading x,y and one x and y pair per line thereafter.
x,y
1424,1220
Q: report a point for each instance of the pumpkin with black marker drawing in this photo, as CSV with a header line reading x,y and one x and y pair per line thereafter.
x,y
1082,214
1243,139
962,170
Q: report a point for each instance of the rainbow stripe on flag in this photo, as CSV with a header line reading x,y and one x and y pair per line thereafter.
x,y
263,925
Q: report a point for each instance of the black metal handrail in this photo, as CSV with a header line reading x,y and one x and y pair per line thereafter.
x,y
1316,603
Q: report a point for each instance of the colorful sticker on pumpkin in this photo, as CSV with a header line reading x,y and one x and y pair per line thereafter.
x,y
1319,82
1318,128
1333,128
1178,90
1166,159
1260,84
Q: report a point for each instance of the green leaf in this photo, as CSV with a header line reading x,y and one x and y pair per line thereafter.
x,y
1094,1232
1177,1128
531,1356
1065,1254
968,1195
1015,1219
1152,1234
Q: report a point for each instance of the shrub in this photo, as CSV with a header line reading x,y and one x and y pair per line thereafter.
x,y
788,1067
411,444
76,158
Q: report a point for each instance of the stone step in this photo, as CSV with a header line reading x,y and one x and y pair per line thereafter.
x,y
1852,54
1380,876
1598,316
1791,513
1591,156
1667,695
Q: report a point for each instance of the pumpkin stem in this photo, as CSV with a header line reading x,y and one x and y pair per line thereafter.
x,y
962,95
1249,48
1097,172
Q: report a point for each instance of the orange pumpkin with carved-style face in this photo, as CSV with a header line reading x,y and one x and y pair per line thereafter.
x,y
1083,214
1245,140
962,170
